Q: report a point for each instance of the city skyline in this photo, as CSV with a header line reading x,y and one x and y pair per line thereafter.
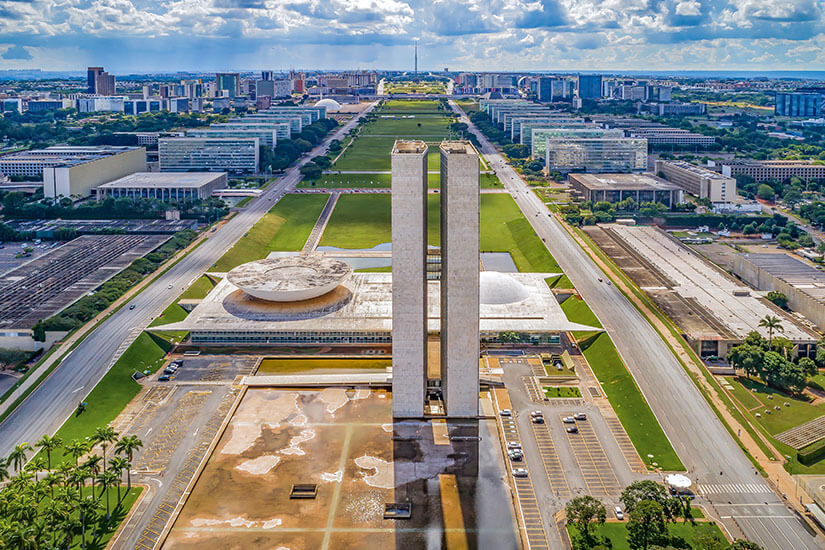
x,y
139,36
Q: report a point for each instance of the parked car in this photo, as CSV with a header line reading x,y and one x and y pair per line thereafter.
x,y
505,412
619,513
163,378
537,419
568,420
514,445
572,429
519,472
515,455
580,416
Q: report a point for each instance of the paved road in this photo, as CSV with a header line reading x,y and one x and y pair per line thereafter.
x,y
708,451
57,397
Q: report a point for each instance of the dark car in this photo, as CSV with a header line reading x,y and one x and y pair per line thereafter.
x,y
163,378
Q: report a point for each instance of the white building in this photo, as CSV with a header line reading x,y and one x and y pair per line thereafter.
x,y
233,155
164,186
704,183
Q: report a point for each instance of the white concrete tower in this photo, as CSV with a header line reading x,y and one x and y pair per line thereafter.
x,y
460,211
409,278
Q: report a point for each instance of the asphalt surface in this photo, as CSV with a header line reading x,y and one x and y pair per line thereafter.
x,y
708,451
54,400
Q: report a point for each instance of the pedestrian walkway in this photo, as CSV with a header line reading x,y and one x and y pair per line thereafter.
x,y
733,488
321,224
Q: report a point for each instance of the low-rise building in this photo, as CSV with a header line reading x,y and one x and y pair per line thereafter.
x,y
618,187
779,170
672,136
704,183
69,171
164,186
209,154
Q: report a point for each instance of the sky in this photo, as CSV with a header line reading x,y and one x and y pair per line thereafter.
x,y
132,36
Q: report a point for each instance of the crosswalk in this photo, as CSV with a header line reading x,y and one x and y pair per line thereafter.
x,y
730,488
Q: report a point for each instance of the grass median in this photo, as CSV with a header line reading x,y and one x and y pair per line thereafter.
x,y
505,229
624,395
285,227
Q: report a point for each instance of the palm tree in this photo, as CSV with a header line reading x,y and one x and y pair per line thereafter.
x,y
48,444
18,456
88,508
107,480
92,464
76,449
116,466
4,469
772,324
128,445
104,435
78,477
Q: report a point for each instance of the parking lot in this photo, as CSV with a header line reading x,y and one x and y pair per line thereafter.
x,y
596,469
177,421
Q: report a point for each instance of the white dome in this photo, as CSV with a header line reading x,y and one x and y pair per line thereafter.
x,y
500,288
330,104
289,279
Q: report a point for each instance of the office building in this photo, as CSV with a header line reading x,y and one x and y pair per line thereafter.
x,y
804,102
267,75
459,278
536,120
282,129
273,88
553,89
460,234
590,86
704,183
675,109
164,186
156,104
673,137
267,136
605,154
295,121
779,170
207,154
228,82
11,104
99,82
538,142
41,105
70,171
527,127
615,188
100,103
409,278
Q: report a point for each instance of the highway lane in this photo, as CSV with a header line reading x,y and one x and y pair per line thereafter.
x,y
706,448
54,400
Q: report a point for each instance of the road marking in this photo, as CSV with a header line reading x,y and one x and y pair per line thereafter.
x,y
78,389
731,488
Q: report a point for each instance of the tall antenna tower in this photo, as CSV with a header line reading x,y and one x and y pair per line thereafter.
x,y
416,57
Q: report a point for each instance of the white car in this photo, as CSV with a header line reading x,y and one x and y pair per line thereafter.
x,y
514,445
505,412
619,513
580,416
519,472
568,420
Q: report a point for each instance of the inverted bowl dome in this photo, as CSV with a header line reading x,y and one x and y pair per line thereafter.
x,y
289,279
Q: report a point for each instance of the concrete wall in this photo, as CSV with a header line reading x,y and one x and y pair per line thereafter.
x,y
460,209
762,280
82,179
409,278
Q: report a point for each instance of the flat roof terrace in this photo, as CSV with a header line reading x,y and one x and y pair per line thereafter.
x,y
46,285
623,182
193,180
345,444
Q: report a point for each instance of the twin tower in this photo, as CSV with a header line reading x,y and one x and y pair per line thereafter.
x,y
459,274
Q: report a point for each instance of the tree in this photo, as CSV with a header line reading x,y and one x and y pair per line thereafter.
x,y
128,445
646,525
642,490
48,444
107,480
104,435
76,449
709,539
820,352
778,298
18,455
747,358
583,512
765,192
771,323
508,337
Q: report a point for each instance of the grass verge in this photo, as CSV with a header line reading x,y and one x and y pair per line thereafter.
x,y
693,535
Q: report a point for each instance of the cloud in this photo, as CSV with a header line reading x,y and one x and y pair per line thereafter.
x,y
549,14
17,52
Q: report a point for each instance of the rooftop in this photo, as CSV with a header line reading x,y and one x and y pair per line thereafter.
x,y
626,182
289,278
704,172
458,148
165,179
402,146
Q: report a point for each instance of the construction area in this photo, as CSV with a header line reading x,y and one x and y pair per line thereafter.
x,y
713,310
328,468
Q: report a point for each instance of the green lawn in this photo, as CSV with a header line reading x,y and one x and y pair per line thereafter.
x,y
505,229
359,221
410,106
271,366
427,127
756,396
559,281
115,389
561,391
172,314
379,181
616,532
578,311
243,202
621,390
286,227
373,153
199,289
175,313
119,514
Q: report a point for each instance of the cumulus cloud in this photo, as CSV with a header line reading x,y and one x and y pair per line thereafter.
x,y
138,35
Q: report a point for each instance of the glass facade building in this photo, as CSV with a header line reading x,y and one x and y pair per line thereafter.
x,y
202,154
596,154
